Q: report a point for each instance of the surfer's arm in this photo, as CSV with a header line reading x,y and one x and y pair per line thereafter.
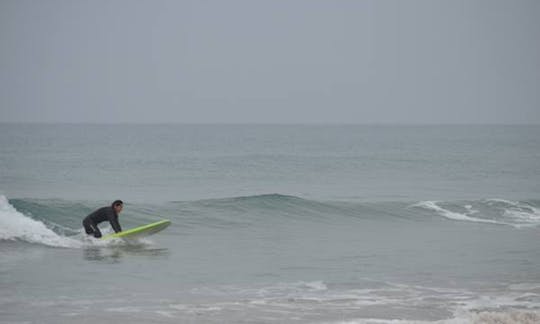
x,y
113,219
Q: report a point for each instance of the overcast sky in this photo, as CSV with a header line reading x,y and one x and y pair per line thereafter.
x,y
268,61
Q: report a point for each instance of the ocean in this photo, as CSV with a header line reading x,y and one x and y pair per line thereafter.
x,y
272,223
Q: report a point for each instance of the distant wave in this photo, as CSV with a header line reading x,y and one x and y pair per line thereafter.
x,y
522,212
518,214
261,199
492,211
432,205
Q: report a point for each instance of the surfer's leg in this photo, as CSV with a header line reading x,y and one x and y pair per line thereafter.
x,y
87,227
97,232
91,228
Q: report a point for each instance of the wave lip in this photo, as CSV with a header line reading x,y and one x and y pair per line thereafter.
x,y
16,226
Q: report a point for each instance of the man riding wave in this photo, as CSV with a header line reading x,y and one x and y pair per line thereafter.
x,y
108,213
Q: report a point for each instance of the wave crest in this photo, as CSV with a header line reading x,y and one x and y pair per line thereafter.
x,y
16,226
493,211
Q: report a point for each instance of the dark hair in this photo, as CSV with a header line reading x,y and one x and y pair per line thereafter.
x,y
117,202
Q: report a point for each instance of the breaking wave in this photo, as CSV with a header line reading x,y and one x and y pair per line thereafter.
x,y
58,223
518,214
16,226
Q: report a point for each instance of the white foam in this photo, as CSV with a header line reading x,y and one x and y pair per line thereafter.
x,y
313,285
470,209
524,286
524,215
521,213
507,317
432,205
449,305
16,226
512,213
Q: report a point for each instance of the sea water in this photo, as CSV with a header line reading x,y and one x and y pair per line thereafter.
x,y
272,224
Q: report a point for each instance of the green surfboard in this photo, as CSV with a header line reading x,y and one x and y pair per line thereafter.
x,y
140,231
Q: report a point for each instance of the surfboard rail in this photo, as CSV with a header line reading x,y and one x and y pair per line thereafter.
x,y
140,231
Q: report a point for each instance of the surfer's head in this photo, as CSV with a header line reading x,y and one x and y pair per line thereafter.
x,y
117,205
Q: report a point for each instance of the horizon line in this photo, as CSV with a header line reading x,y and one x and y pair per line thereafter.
x,y
265,124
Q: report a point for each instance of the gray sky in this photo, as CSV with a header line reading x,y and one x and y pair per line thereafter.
x,y
301,61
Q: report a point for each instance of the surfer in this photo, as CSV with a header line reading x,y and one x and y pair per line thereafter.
x,y
108,213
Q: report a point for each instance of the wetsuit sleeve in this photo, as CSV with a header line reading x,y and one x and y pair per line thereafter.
x,y
113,219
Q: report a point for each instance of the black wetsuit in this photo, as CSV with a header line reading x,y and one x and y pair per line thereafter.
x,y
101,215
